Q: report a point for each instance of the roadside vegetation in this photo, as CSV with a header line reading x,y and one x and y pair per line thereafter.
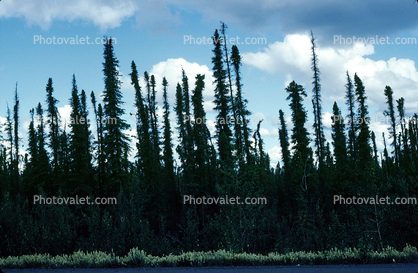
x,y
139,258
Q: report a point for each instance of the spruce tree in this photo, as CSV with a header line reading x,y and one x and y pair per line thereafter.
x,y
115,141
386,160
171,196
404,153
284,142
413,144
222,106
390,113
185,147
98,114
152,107
168,146
188,138
3,166
75,149
53,121
16,161
201,136
80,157
9,133
179,108
300,135
373,137
149,165
351,117
143,145
363,138
101,158
242,131
302,161
228,72
339,141
33,156
319,131
42,168
64,157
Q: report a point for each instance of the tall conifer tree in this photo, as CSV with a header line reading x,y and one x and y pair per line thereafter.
x,y
350,101
42,165
390,113
363,138
242,131
223,131
53,120
16,174
115,140
319,131
339,141
284,142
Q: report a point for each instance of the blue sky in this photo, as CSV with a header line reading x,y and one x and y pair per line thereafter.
x,y
153,33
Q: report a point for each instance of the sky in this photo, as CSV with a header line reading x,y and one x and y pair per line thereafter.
x,y
378,40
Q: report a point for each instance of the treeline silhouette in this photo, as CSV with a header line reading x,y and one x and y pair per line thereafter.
x,y
150,214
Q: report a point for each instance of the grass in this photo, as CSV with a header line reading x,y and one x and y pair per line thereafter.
x,y
139,258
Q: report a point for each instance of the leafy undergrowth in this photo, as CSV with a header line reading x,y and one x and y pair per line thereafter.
x,y
138,258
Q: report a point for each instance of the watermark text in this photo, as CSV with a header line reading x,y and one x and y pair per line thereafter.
x,y
375,200
189,199
41,200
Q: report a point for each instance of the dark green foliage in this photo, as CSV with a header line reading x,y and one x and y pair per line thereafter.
x,y
168,146
339,141
373,137
30,166
242,131
300,135
222,104
53,120
201,139
404,148
80,168
143,132
16,159
236,61
10,146
150,213
179,108
171,197
284,142
115,141
351,117
363,119
42,168
187,140
390,113
316,100
152,108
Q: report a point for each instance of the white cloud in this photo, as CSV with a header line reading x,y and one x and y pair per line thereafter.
x,y
291,55
172,70
326,119
275,154
103,13
292,58
65,113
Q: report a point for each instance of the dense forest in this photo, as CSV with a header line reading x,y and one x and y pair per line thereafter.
x,y
150,213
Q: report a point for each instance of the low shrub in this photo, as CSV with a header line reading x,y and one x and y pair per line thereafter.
x,y
139,258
